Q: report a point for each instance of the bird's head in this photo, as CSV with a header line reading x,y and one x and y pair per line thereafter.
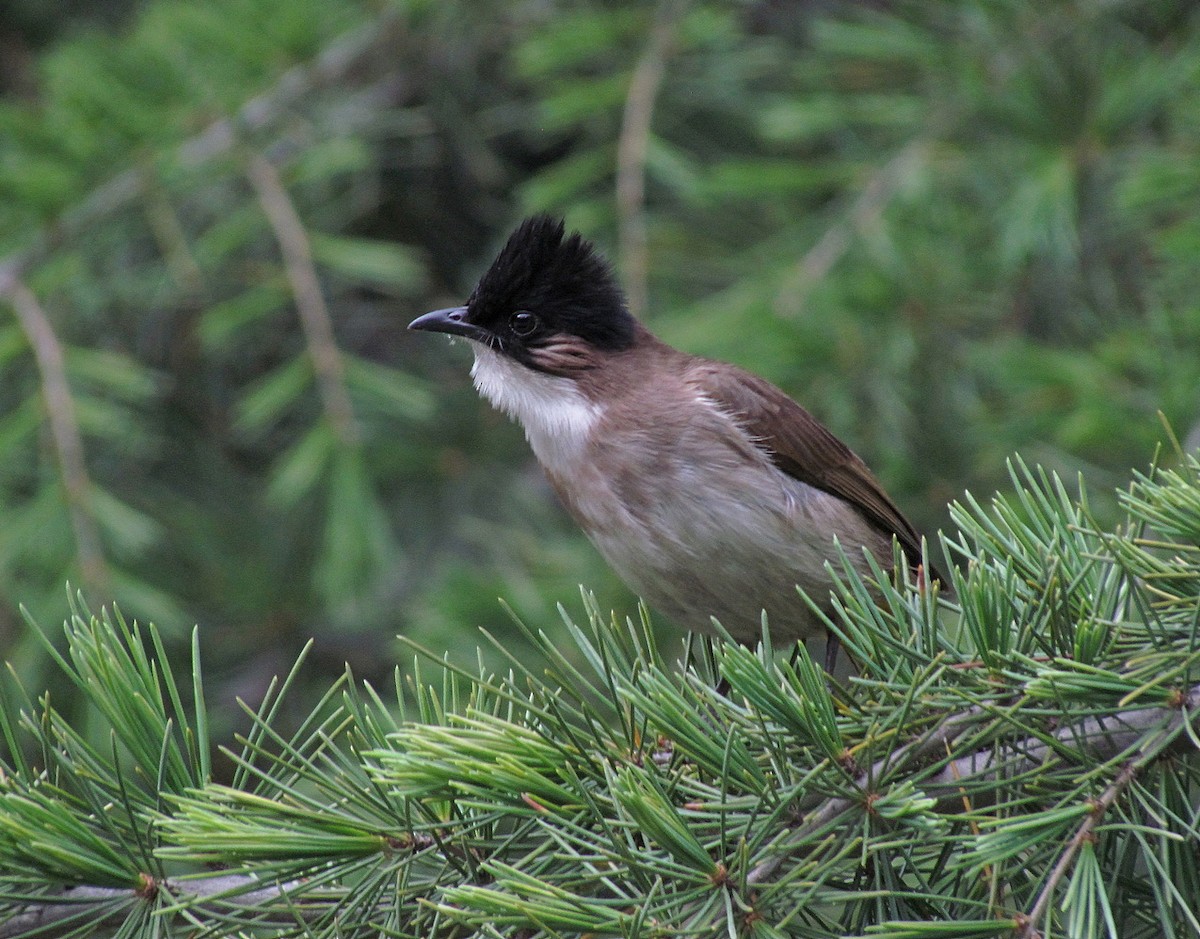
x,y
549,301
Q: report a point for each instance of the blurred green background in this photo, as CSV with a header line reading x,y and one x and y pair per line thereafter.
x,y
951,230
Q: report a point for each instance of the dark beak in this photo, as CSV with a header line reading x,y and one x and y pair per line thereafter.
x,y
452,320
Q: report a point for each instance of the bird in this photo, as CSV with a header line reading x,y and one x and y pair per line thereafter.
x,y
709,491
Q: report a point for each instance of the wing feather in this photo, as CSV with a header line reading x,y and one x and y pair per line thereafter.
x,y
804,448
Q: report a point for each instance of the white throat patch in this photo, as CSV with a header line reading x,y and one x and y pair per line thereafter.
x,y
556,415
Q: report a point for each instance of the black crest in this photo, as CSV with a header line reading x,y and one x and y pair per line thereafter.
x,y
561,279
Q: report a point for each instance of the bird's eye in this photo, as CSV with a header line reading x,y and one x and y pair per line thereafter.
x,y
523,323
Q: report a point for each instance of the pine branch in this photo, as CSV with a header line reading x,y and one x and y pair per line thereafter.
x,y
997,763
1085,744
1027,928
219,138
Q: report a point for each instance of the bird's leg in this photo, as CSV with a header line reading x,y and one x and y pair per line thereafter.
x,y
832,645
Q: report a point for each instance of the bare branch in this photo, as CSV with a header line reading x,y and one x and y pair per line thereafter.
x,y
60,913
310,301
64,427
632,146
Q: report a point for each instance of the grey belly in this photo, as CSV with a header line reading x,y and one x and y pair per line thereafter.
x,y
732,557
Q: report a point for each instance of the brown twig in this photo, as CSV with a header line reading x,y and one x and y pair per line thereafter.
x,y
632,147
64,427
310,300
1028,928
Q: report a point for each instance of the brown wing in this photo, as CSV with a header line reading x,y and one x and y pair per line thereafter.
x,y
802,447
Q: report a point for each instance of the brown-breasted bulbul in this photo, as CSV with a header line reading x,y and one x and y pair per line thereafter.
x,y
708,490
